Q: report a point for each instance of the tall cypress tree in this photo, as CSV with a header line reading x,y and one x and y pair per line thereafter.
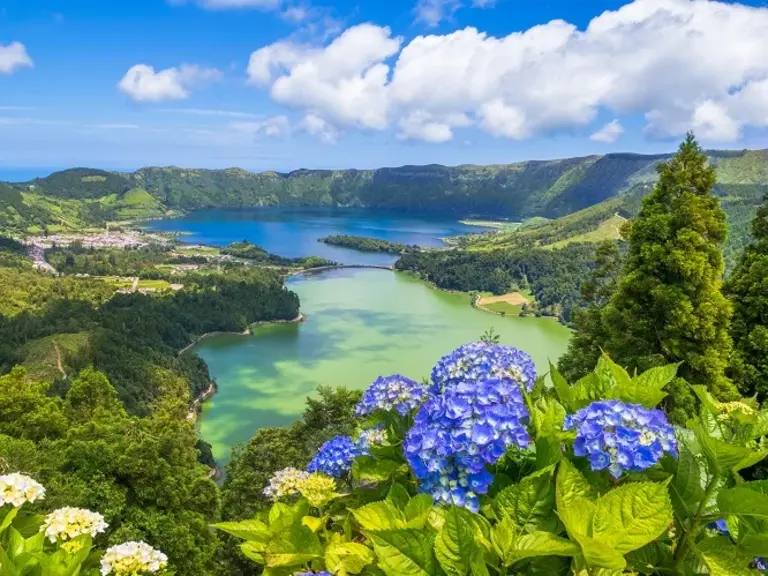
x,y
669,305
747,288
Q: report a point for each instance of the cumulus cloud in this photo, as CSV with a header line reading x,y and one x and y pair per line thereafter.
x,y
683,64
14,56
345,80
319,128
143,84
608,133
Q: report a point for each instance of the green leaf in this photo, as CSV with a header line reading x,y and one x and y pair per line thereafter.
x,y
399,496
9,517
631,516
724,456
657,378
252,530
573,498
253,552
531,503
417,510
723,558
298,546
598,554
755,544
405,552
503,536
456,548
685,487
589,389
348,557
741,501
381,515
370,469
563,390
615,375
652,559
542,544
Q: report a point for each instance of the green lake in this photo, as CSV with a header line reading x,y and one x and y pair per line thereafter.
x,y
360,324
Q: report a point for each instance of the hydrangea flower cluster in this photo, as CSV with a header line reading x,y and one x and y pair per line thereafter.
x,y
457,433
371,437
132,559
286,482
16,489
318,489
335,457
389,393
67,523
477,360
618,436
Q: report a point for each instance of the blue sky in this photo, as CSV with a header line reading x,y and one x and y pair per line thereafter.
x,y
286,84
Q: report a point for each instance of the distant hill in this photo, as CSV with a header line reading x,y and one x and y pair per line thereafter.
x,y
603,186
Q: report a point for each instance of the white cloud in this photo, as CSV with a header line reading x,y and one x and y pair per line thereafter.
x,y
319,128
432,12
14,56
683,64
345,80
483,3
274,127
212,112
608,133
142,84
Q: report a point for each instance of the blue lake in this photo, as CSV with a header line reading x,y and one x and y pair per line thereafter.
x,y
293,232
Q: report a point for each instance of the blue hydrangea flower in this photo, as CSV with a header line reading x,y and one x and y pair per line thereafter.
x,y
335,457
619,437
761,564
389,393
457,433
478,360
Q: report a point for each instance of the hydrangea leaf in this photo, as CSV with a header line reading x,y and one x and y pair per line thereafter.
x,y
724,456
369,469
251,530
503,536
651,559
541,544
531,503
313,523
631,516
348,557
600,555
755,544
742,501
417,510
647,388
381,515
685,489
564,392
588,389
612,374
398,495
723,558
299,545
253,551
405,552
456,547
573,498
657,378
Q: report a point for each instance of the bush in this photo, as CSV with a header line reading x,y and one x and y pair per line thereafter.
x,y
496,471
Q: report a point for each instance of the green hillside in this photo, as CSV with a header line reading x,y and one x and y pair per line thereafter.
x,y
610,184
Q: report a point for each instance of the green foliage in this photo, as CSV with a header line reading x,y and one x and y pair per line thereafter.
x,y
364,244
554,276
257,254
556,517
748,292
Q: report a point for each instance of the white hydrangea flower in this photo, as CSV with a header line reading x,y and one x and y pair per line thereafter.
x,y
67,523
16,489
286,482
131,559
371,437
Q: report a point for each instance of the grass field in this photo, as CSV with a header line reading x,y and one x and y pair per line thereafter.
x,y
608,230
510,304
120,283
42,357
198,250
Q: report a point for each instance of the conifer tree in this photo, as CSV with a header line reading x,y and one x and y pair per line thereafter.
x,y
669,304
747,288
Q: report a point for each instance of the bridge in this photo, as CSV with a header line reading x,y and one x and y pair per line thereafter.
x,y
337,266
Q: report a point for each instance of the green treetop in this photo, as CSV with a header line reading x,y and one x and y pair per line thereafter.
x,y
668,305
748,290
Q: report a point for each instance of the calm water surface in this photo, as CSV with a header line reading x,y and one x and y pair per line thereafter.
x,y
294,232
361,324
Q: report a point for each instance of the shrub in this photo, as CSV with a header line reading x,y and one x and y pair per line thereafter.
x,y
500,472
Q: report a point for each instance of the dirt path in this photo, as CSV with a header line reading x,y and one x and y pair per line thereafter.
x,y
59,367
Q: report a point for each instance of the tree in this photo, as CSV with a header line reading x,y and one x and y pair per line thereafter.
x,y
747,288
668,306
584,348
